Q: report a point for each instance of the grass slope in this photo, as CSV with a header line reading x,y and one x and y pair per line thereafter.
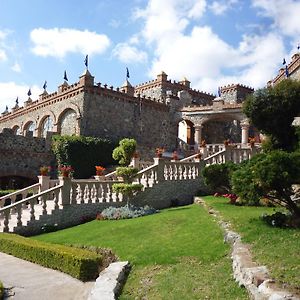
x,y
176,254
277,248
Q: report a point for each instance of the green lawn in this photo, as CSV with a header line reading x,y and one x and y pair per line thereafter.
x,y
278,249
176,254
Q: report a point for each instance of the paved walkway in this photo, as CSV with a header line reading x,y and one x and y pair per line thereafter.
x,y
31,281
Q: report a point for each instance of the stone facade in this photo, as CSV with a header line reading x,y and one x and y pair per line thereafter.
x,y
22,156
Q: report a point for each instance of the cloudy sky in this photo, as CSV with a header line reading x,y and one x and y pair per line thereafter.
x,y
211,43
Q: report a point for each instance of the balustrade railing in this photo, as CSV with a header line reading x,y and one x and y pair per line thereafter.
x,y
19,195
26,210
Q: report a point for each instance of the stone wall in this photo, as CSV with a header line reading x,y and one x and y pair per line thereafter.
x,y
23,156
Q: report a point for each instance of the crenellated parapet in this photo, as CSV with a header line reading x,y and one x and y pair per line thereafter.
x,y
235,93
161,86
293,69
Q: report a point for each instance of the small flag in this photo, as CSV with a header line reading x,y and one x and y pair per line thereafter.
x,y
6,108
45,85
29,93
86,61
298,46
287,72
17,101
127,73
219,91
65,76
284,62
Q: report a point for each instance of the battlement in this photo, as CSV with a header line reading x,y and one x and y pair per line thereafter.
x,y
293,69
235,87
224,106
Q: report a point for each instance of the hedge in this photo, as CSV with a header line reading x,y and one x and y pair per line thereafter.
x,y
4,193
82,153
1,290
78,263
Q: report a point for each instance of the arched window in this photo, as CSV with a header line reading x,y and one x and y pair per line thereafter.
x,y
47,125
30,126
68,122
17,130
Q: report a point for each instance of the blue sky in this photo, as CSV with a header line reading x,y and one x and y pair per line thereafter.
x,y
211,43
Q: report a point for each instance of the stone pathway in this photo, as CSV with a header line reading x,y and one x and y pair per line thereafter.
x,y
25,280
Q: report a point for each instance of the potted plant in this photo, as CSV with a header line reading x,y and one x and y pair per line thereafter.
x,y
203,144
174,156
159,151
226,142
252,142
44,170
99,173
65,171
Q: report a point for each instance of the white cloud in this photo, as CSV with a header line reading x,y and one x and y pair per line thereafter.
x,y
220,7
58,42
16,67
182,48
3,55
129,54
285,14
11,90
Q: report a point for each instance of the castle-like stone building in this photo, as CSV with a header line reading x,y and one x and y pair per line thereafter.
x,y
158,113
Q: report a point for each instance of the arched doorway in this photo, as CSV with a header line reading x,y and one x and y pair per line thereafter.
x,y
186,132
29,127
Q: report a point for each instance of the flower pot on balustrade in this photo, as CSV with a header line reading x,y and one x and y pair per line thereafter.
x,y
99,177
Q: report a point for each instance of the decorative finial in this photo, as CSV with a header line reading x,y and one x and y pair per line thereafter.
x,y
86,61
65,76
45,85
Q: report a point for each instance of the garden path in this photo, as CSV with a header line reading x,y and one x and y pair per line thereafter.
x,y
26,280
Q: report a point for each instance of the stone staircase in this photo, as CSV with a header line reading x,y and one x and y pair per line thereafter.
x,y
67,202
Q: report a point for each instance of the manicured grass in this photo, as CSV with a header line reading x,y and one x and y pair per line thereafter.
x,y
277,248
176,254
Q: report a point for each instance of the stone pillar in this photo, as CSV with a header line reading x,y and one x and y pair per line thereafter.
x,y
44,182
65,192
198,136
160,168
245,132
135,162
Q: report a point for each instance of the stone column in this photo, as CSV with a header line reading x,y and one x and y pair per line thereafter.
x,y
245,132
44,182
65,192
198,136
160,168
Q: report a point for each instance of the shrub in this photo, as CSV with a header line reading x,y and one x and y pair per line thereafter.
x,y
269,175
126,212
217,177
126,172
277,219
78,263
125,151
1,291
70,150
127,189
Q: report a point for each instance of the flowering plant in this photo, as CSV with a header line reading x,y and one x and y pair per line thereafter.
x,y
203,143
44,170
226,142
252,141
175,155
99,170
159,151
65,170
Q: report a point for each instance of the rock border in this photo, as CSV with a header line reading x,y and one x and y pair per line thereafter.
x,y
246,272
110,282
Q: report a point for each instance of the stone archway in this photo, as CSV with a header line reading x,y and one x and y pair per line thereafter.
x,y
67,122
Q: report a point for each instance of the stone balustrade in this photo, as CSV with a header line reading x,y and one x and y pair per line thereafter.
x,y
21,194
79,196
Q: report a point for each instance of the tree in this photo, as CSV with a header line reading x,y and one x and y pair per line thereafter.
x,y
272,111
269,175
124,152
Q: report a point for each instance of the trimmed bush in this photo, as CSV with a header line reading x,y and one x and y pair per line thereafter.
x,y
1,290
81,264
70,150
217,177
126,172
125,151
